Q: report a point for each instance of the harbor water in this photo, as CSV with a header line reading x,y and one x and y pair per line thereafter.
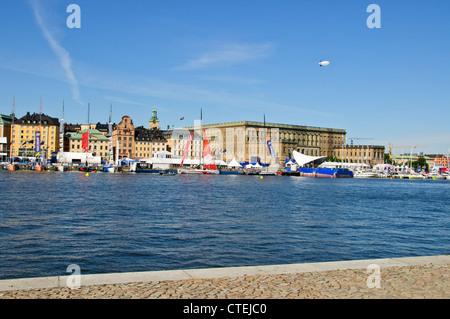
x,y
143,222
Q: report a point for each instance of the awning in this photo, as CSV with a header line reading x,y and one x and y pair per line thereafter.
x,y
303,159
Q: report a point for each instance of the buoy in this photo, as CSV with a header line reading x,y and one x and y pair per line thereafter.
x,y
87,174
261,177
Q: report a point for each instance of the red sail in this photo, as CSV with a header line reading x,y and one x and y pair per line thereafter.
x,y
208,159
186,148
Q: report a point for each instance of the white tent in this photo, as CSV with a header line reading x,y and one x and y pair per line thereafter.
x,y
234,163
257,165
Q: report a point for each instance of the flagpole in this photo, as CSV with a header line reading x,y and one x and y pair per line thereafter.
x,y
201,138
265,151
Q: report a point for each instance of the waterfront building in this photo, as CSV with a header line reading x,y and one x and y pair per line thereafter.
x,y
149,141
124,134
23,133
247,141
5,135
98,143
367,154
441,161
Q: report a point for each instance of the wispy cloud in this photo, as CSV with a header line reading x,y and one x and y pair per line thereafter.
x,y
228,55
62,54
122,100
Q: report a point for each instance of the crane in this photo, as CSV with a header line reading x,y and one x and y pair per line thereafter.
x,y
403,146
359,138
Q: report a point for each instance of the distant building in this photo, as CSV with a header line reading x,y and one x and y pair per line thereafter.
x,y
98,143
368,154
5,135
148,142
124,135
23,134
247,141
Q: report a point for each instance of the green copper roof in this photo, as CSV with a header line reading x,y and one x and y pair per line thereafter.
x,y
93,134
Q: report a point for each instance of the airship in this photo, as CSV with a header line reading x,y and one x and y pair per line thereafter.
x,y
324,63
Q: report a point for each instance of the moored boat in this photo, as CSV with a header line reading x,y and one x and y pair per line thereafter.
x,y
326,172
365,174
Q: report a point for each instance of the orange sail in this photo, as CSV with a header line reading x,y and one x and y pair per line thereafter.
x,y
208,159
186,149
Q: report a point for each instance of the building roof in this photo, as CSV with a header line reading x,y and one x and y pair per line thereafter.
x,y
272,125
37,118
7,119
93,135
143,134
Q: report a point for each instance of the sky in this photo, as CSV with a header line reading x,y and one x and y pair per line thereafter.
x,y
237,61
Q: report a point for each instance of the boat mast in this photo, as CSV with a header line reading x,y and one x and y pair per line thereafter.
x,y
110,136
201,139
61,132
265,144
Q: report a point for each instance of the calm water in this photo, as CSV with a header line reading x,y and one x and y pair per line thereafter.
x,y
143,222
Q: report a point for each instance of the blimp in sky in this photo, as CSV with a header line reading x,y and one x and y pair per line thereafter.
x,y
324,63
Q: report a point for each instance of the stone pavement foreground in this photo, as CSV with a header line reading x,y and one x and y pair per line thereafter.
x,y
394,278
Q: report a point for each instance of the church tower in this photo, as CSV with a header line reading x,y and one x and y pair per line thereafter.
x,y
154,122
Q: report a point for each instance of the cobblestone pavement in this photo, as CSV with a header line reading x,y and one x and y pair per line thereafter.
x,y
425,281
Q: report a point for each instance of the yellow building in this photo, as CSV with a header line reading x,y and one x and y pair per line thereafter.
x,y
23,135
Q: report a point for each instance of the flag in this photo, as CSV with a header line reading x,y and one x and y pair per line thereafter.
x,y
85,140
270,146
37,144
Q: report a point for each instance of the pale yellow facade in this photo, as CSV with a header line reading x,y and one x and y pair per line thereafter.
x,y
26,132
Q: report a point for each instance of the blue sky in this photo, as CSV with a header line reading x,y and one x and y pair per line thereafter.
x,y
237,60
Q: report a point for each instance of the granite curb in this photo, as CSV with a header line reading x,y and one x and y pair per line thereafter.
x,y
214,273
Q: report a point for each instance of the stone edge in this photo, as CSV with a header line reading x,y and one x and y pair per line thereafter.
x,y
210,273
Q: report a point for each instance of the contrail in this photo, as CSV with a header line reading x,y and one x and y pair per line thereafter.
x,y
61,53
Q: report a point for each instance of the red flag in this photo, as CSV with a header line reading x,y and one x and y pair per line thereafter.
x,y
85,140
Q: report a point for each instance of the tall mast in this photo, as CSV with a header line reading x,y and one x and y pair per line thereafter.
x,y
61,131
265,150
201,139
110,134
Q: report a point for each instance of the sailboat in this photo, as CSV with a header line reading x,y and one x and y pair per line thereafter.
x,y
207,164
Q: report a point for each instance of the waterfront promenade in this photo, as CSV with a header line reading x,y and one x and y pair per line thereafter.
x,y
411,277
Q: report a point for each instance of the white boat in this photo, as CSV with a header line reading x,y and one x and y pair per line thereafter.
x,y
198,171
434,175
415,176
109,168
365,174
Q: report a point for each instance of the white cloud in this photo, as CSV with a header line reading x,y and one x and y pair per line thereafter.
x,y
62,54
228,55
